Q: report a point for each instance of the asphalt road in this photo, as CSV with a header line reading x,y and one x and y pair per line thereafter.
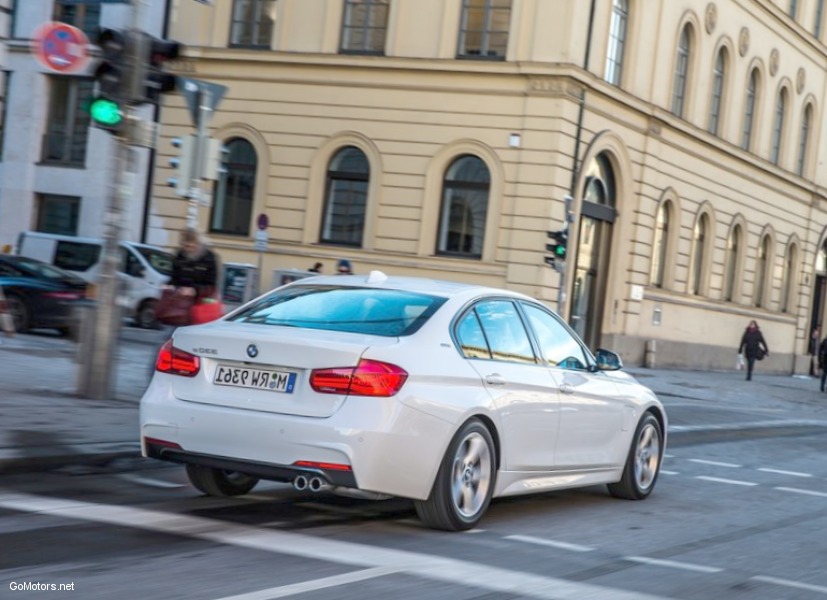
x,y
736,519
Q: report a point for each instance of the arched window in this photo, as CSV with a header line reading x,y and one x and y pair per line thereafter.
x,y
464,207
749,109
761,269
660,243
681,72
804,139
778,126
790,269
718,79
346,198
617,41
732,255
698,253
234,192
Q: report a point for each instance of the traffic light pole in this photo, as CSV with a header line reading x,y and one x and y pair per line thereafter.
x,y
196,194
100,344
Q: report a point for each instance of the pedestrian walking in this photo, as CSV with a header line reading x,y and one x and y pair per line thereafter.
x,y
753,346
822,361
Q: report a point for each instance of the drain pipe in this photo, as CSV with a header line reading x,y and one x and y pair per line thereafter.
x,y
575,167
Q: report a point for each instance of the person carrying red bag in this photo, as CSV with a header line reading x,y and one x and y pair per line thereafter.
x,y
194,280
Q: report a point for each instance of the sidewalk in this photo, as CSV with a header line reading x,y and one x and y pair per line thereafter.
x,y
43,424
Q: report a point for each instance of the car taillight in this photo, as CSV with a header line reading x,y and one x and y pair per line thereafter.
x,y
175,361
368,378
62,295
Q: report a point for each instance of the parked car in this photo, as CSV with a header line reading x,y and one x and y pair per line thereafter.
x,y
40,296
375,386
142,273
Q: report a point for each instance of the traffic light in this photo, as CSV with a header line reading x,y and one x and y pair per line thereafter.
x,y
557,248
216,163
106,106
154,80
183,164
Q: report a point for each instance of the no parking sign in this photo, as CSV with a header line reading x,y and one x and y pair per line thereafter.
x,y
60,47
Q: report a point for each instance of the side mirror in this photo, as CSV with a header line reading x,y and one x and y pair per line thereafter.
x,y
608,360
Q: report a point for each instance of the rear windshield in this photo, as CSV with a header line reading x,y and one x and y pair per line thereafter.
x,y
37,268
157,259
389,313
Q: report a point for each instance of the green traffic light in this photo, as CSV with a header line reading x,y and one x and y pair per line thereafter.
x,y
106,112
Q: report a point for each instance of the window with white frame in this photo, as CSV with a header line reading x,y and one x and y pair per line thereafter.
x,y
67,128
698,253
804,139
660,243
681,72
58,214
732,256
790,268
253,23
484,29
761,269
718,82
465,195
617,41
778,126
749,110
235,191
346,198
365,26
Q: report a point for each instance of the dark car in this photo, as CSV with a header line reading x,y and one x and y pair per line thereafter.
x,y
40,296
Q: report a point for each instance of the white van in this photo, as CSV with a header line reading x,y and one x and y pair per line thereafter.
x,y
143,269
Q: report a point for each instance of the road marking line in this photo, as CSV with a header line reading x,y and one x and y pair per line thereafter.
x,y
793,473
714,463
665,472
437,568
673,564
150,481
792,584
798,491
720,480
541,542
317,584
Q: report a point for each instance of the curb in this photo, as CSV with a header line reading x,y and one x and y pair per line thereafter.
x,y
97,455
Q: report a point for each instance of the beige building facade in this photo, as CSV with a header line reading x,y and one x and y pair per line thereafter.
x,y
441,137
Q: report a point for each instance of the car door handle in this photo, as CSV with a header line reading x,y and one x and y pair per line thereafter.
x,y
566,388
495,379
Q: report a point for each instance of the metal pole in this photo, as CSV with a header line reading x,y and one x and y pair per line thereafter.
x,y
196,194
97,379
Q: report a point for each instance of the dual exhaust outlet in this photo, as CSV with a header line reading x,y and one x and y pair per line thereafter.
x,y
314,484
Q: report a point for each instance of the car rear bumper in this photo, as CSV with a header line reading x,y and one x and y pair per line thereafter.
x,y
389,447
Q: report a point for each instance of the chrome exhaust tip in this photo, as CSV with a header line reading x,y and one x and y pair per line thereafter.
x,y
300,482
317,484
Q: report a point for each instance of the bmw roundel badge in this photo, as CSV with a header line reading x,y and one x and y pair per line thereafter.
x,y
252,351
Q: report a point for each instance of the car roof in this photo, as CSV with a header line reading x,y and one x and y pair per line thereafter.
x,y
435,287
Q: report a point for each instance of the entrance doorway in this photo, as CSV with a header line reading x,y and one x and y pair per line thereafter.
x,y
593,257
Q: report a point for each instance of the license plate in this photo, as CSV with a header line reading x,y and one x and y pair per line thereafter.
x,y
259,379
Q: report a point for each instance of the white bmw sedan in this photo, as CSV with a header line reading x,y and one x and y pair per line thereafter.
x,y
374,386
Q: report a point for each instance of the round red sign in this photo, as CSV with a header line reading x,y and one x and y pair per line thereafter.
x,y
60,47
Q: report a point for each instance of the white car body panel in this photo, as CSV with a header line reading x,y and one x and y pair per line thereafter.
x,y
547,439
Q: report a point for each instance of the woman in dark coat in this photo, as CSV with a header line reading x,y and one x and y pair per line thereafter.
x,y
753,346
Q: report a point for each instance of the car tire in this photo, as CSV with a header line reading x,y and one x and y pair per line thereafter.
x,y
145,315
464,483
643,462
216,482
19,311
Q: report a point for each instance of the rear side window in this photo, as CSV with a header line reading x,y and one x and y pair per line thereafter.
x,y
388,313
158,260
76,256
505,332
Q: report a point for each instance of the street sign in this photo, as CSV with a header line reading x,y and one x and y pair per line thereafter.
x,y
263,221
261,238
192,89
60,47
